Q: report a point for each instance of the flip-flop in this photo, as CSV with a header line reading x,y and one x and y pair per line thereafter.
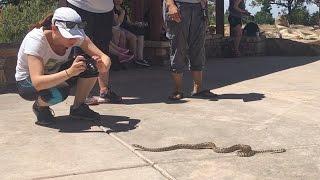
x,y
176,96
204,94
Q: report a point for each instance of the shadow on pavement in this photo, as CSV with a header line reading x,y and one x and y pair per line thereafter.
x,y
113,123
155,85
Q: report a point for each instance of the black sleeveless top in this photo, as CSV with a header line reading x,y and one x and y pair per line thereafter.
x,y
125,20
233,11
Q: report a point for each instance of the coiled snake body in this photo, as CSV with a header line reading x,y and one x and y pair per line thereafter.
x,y
242,149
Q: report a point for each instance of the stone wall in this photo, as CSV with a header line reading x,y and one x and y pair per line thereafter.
x,y
8,61
157,52
218,46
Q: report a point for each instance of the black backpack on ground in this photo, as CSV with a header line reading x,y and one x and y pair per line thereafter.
x,y
251,29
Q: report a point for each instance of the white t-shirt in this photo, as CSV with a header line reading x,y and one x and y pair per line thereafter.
x,y
95,6
35,43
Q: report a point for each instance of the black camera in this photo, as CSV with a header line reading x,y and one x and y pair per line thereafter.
x,y
91,68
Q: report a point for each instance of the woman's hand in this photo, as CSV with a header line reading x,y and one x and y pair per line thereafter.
x,y
77,67
174,13
99,63
122,11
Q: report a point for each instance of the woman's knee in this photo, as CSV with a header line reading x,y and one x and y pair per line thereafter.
x,y
106,66
122,34
26,90
130,36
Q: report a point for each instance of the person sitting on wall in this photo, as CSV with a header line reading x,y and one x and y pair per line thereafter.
x,y
134,32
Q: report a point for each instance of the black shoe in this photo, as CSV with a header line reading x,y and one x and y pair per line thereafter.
x,y
142,62
84,112
109,97
45,115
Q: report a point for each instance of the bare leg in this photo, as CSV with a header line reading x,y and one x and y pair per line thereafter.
x,y
114,47
237,34
41,103
197,81
103,78
140,46
132,43
122,39
116,34
177,78
84,86
115,50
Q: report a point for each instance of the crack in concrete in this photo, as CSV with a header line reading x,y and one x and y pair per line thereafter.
x,y
145,159
88,172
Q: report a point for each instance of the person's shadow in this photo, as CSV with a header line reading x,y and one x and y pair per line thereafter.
x,y
67,124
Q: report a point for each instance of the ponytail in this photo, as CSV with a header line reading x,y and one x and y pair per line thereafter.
x,y
45,23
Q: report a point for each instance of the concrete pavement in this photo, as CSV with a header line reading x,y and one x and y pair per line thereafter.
x,y
265,102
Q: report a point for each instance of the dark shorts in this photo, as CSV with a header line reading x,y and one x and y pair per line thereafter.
x,y
50,96
99,27
135,29
234,21
187,38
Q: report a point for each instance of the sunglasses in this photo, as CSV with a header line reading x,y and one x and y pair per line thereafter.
x,y
71,25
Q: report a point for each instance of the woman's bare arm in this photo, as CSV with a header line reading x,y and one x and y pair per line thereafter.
x,y
41,81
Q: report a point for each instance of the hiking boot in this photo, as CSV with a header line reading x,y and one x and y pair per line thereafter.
x,y
109,97
84,112
44,114
142,62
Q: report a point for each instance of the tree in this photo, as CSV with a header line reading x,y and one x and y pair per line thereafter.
x,y
289,5
226,15
316,2
300,15
264,16
15,20
212,13
314,19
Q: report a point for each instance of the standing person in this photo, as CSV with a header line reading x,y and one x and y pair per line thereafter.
x,y
98,14
237,11
43,73
186,27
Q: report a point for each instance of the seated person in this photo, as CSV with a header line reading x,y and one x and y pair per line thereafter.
x,y
118,36
118,44
134,33
122,54
44,74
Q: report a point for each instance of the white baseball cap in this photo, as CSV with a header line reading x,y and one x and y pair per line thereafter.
x,y
64,17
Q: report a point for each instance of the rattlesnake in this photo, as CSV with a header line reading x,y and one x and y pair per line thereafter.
x,y
242,149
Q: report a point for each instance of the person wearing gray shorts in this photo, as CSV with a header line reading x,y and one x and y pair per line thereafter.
x,y
186,22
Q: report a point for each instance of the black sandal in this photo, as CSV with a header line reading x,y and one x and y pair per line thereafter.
x,y
176,96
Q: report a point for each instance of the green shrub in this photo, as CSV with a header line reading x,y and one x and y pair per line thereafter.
x,y
15,20
300,15
314,19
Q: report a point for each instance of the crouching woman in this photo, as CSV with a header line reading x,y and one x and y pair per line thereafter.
x,y
45,75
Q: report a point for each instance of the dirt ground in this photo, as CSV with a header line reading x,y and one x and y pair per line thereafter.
x,y
307,34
